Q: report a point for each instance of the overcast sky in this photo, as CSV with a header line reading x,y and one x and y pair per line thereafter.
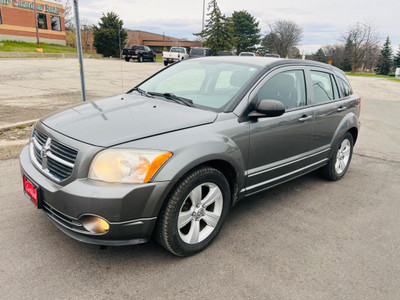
x,y
323,21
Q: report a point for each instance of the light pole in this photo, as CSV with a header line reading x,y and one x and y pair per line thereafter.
x,y
37,27
79,45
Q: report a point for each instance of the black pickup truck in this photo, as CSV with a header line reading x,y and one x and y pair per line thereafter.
x,y
140,53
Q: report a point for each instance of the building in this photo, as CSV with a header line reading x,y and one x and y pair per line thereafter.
x,y
17,21
157,42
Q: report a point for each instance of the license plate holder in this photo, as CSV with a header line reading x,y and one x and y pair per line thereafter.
x,y
32,192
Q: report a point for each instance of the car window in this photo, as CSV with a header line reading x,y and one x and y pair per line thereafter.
x,y
322,87
178,50
344,87
336,94
287,87
197,52
207,85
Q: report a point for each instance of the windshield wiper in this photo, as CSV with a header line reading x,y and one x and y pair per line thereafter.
x,y
173,97
141,92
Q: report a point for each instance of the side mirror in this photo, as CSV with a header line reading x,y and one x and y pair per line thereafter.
x,y
267,109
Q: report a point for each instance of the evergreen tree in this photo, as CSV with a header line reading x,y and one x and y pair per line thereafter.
x,y
217,33
319,56
348,54
106,35
246,33
267,44
396,61
385,59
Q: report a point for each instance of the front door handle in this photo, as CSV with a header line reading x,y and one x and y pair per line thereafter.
x,y
341,108
305,118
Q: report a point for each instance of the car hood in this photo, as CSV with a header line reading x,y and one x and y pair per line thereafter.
x,y
128,117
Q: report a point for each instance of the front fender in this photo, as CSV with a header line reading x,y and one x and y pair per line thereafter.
x,y
216,148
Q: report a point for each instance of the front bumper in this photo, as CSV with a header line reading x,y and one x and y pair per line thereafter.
x,y
130,209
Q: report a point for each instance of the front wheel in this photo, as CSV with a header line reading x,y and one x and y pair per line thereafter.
x,y
153,59
340,161
195,212
165,63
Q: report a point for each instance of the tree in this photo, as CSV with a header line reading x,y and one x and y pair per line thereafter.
x,y
396,60
319,56
246,33
335,53
86,32
106,35
385,59
348,55
267,45
284,35
363,37
68,16
217,33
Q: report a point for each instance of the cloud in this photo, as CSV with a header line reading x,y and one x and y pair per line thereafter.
x,y
323,21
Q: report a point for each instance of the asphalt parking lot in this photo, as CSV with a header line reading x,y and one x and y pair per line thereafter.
x,y
306,239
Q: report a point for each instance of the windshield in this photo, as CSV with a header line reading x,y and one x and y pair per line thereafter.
x,y
179,50
208,84
198,52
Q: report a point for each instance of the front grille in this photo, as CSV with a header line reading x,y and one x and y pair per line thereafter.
x,y
53,157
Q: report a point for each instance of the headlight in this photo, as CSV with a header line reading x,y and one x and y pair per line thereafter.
x,y
127,166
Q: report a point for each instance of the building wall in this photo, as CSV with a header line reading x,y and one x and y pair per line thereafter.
x,y
157,42
18,23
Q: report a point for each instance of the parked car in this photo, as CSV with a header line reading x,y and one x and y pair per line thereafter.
x,y
140,53
174,54
272,55
247,54
226,53
199,52
170,157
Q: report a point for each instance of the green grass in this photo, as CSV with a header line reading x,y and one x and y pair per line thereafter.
x,y
13,46
372,75
159,58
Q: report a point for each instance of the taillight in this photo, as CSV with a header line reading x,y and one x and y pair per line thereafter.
x,y
136,52
179,55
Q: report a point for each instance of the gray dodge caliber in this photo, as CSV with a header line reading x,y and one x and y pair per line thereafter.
x,y
171,156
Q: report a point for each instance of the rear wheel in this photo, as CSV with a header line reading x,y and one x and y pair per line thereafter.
x,y
127,59
340,161
140,58
153,59
195,212
165,63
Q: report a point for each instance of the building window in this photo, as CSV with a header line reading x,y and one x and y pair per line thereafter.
x,y
1,22
55,23
42,21
87,47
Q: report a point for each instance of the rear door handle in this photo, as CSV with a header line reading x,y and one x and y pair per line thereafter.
x,y
341,108
305,118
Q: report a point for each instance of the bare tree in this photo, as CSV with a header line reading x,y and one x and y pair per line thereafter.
x,y
86,32
68,16
334,53
364,38
284,35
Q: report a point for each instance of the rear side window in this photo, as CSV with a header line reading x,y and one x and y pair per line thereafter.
x,y
344,87
287,87
138,48
322,87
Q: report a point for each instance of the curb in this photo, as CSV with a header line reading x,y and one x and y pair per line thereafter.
x,y
24,123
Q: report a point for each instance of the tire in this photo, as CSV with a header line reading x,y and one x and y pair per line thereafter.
x,y
140,59
339,163
201,223
153,59
165,63
127,59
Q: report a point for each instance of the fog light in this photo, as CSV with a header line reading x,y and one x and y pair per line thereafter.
x,y
95,224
